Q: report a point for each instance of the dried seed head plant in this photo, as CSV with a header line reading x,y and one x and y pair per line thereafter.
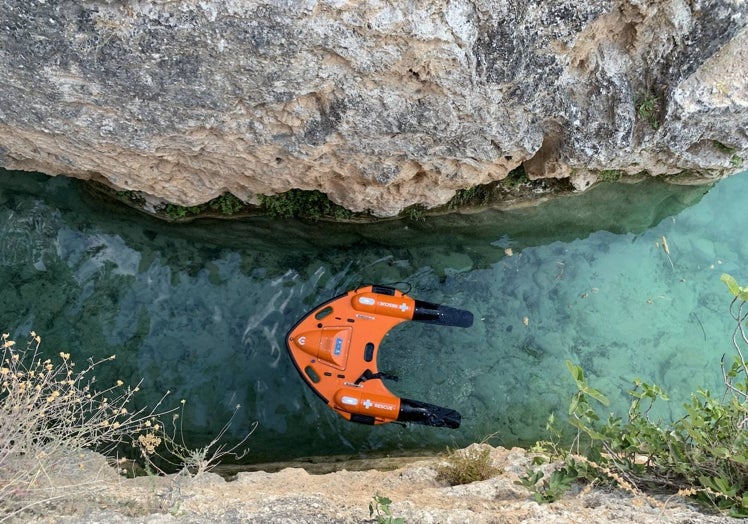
x,y
49,411
166,446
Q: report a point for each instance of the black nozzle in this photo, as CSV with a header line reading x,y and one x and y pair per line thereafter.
x,y
428,414
442,315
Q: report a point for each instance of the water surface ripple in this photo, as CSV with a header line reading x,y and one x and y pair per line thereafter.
x,y
202,309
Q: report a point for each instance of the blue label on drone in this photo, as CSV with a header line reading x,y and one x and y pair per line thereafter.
x,y
338,346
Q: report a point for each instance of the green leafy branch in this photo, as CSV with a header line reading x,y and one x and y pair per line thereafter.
x,y
740,292
703,455
582,415
379,507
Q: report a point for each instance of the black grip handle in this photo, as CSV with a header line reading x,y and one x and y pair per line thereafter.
x,y
428,414
442,315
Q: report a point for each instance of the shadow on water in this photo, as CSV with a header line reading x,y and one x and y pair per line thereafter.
x,y
615,207
202,309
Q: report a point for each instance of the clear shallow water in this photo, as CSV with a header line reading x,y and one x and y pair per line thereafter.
x,y
202,309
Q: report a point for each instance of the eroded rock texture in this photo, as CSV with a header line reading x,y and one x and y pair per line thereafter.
x,y
378,104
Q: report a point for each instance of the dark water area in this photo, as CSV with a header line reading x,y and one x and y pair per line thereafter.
x,y
202,309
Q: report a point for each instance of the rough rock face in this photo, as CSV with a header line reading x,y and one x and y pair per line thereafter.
x,y
294,496
378,104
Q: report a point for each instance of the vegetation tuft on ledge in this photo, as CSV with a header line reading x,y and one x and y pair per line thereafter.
x,y
703,455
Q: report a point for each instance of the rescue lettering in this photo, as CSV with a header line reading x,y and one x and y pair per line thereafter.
x,y
379,405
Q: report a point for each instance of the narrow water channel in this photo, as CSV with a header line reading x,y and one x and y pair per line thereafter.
x,y
202,309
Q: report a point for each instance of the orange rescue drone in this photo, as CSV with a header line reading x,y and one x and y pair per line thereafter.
x,y
334,348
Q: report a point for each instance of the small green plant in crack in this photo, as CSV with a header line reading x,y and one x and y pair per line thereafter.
x,y
131,196
516,177
476,195
176,212
379,507
610,175
723,147
648,109
302,204
555,486
226,204
416,213
735,159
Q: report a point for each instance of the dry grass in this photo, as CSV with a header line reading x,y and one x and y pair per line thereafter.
x,y
158,445
50,411
464,466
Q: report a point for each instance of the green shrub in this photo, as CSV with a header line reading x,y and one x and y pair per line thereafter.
x,y
553,487
226,204
415,213
704,454
610,175
135,197
379,507
476,195
175,212
516,177
302,204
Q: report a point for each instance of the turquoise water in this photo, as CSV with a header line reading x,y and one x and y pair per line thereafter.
x,y
202,309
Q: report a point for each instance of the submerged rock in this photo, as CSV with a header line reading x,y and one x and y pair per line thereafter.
x,y
380,106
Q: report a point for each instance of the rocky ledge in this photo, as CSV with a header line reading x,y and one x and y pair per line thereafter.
x,y
93,492
378,105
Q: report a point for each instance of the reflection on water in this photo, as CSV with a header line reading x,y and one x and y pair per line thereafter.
x,y
202,309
